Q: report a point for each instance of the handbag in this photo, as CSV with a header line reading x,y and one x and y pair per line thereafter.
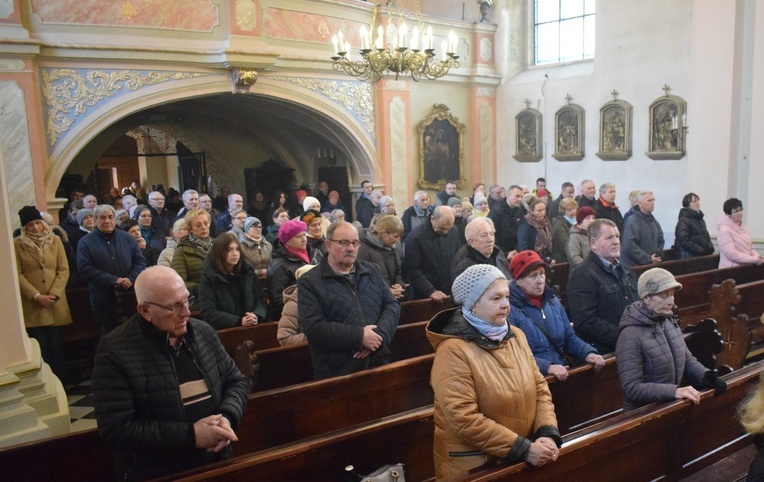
x,y
388,473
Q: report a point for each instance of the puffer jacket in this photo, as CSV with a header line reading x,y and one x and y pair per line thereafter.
x,y
552,317
280,275
468,256
290,332
560,233
735,245
258,254
691,235
653,359
388,258
491,401
333,313
188,262
642,237
137,404
223,300
578,246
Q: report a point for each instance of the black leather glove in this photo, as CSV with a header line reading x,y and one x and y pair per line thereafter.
x,y
711,380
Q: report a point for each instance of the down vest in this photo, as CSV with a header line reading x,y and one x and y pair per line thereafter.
x,y
552,317
653,359
137,401
491,401
333,312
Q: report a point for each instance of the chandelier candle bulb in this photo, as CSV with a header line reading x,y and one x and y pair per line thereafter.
x,y
334,42
415,40
340,39
364,37
443,47
347,46
403,32
453,41
380,38
430,37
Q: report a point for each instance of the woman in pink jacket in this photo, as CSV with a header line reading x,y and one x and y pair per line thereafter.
x,y
735,245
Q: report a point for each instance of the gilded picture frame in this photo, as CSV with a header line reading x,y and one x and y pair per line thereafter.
x,y
569,133
615,130
668,129
441,149
529,133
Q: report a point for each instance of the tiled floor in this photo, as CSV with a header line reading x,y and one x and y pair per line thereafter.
x,y
80,400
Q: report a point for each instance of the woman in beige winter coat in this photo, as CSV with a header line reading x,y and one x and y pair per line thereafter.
x,y
483,410
289,332
43,271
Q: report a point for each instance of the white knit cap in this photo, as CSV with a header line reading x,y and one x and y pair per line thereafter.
x,y
469,286
309,201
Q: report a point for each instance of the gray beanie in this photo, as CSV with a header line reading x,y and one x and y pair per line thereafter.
x,y
81,215
454,201
469,286
656,280
250,221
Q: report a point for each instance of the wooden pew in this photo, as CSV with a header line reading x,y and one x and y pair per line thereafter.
x,y
288,415
738,308
670,440
684,432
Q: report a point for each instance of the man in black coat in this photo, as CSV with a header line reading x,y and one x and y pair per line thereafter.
x,y
346,309
364,209
507,215
480,249
601,288
606,207
429,251
161,218
166,394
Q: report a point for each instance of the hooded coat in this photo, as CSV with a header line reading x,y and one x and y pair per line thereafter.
x,y
491,401
653,359
389,258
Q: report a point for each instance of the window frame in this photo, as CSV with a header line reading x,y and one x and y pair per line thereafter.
x,y
533,37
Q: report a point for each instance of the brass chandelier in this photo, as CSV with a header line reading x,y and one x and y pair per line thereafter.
x,y
395,50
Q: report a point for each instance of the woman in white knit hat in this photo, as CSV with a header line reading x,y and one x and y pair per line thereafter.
x,y
491,401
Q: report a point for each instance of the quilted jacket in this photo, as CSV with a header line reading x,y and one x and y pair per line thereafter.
x,y
188,262
333,312
691,235
642,236
653,359
735,245
491,401
137,401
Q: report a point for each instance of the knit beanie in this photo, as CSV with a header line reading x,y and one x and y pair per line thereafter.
x,y
523,262
27,214
309,201
454,201
479,198
290,229
251,221
469,286
583,213
656,280
467,205
81,215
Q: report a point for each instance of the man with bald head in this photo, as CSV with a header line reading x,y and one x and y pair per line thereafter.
x,y
345,308
429,250
166,394
480,249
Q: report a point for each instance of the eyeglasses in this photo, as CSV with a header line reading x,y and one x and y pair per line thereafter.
x,y
345,243
737,210
177,307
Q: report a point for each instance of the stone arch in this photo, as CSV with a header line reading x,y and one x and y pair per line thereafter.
x,y
328,118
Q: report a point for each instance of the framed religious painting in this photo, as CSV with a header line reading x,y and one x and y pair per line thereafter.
x,y
668,127
569,132
441,149
615,130
529,134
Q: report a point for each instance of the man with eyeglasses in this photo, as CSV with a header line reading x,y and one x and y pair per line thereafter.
x,y
161,218
167,396
346,309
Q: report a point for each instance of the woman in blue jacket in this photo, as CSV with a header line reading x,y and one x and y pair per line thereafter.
x,y
540,315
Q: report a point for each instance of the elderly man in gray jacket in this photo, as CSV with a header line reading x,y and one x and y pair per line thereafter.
x,y
642,234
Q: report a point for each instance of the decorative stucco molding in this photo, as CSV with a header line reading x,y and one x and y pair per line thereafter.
x,y
355,97
69,93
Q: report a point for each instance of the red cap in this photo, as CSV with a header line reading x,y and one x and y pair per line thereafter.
x,y
523,262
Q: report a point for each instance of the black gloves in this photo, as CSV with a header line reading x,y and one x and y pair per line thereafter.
x,y
711,380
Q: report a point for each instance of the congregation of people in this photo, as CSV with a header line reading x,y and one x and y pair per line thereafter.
x,y
333,277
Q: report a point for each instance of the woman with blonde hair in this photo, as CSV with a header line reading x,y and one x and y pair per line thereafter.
x,y
381,244
43,271
177,233
188,260
751,413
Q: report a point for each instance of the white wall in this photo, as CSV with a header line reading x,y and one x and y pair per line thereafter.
x,y
689,45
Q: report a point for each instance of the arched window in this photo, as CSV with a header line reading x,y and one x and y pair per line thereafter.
x,y
564,30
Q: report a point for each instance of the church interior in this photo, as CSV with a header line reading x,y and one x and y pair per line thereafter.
x,y
249,94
